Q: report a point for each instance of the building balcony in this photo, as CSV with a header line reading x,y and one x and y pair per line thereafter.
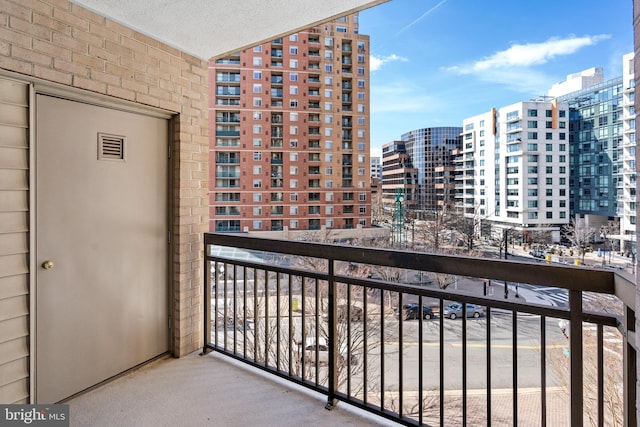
x,y
470,366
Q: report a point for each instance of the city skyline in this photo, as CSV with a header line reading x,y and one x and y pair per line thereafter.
x,y
440,62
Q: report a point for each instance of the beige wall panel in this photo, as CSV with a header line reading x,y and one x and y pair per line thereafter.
x,y
15,115
14,307
13,92
12,329
16,392
11,201
14,243
10,265
14,221
14,350
14,158
15,371
14,179
14,136
13,285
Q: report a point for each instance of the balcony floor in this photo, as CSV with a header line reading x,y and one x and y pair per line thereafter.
x,y
207,390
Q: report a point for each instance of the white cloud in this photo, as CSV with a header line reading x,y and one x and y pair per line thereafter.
x,y
375,62
514,67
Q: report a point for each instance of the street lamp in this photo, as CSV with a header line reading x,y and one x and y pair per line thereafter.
x,y
398,217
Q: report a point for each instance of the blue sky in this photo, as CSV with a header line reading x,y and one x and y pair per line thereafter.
x,y
436,62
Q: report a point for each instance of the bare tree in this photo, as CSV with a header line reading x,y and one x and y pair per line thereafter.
x,y
607,231
467,228
580,235
434,230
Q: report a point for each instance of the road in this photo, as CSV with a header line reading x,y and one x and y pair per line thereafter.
x,y
528,350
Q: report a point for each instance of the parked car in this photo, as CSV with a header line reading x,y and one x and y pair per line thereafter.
x,y
321,349
538,253
454,310
411,311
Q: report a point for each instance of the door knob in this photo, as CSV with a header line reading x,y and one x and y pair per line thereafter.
x,y
47,265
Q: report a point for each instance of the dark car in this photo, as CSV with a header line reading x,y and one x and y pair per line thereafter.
x,y
411,311
454,310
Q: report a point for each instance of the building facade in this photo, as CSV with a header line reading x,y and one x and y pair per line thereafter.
x,y
289,147
513,169
398,175
430,151
602,144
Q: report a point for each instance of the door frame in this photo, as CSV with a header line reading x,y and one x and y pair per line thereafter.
x,y
42,87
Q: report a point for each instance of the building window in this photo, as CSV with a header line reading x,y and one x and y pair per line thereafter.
x,y
293,223
361,71
329,197
328,183
293,103
362,197
257,197
257,102
293,37
548,136
328,67
257,75
257,61
257,155
257,142
257,49
293,63
361,146
293,157
257,210
293,50
257,88
532,113
257,129
257,183
549,215
293,77
257,224
532,124
293,90
532,135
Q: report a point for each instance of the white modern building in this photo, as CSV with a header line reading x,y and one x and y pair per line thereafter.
x,y
513,169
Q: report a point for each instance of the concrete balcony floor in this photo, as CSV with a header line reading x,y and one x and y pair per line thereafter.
x,y
211,390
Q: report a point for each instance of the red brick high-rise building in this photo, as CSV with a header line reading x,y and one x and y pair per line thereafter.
x,y
289,133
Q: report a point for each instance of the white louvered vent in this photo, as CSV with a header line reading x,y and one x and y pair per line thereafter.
x,y
111,147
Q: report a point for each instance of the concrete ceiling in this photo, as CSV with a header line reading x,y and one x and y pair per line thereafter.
x,y
212,28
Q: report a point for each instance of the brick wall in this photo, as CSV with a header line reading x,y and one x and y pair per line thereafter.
x,y
61,42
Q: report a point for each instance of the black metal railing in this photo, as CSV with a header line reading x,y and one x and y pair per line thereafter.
x,y
362,326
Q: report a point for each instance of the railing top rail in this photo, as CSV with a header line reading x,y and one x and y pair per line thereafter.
x,y
567,277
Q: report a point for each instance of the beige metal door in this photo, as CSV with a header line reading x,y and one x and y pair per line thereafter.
x,y
101,244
